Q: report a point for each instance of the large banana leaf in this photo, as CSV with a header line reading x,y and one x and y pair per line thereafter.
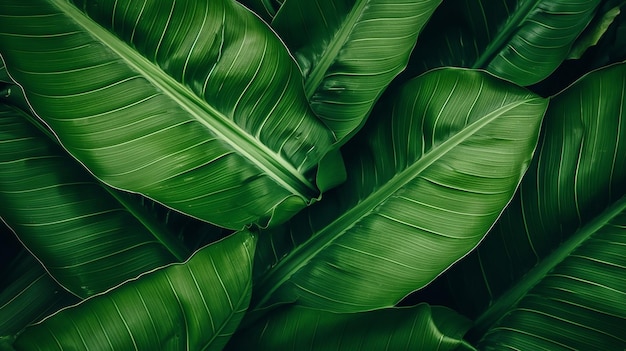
x,y
578,172
196,104
578,295
519,40
87,236
299,328
27,294
349,51
196,305
426,181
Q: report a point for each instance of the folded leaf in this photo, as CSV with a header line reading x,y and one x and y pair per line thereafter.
x,y
88,237
298,328
426,181
579,300
519,40
578,172
196,104
349,51
196,305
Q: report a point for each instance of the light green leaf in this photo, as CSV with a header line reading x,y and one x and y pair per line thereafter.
x,y
579,171
196,305
523,41
28,294
349,51
198,106
426,181
298,328
88,237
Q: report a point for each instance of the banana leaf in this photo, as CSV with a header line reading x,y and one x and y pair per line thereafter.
x,y
578,295
89,237
196,305
198,106
349,51
426,180
412,328
28,294
523,41
578,173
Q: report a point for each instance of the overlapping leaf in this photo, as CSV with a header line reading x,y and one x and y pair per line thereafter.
x,y
196,305
519,40
298,328
578,172
87,236
193,103
28,294
349,51
426,181
579,300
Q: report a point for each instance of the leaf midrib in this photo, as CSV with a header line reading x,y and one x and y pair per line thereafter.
x,y
291,264
280,170
504,35
512,296
329,55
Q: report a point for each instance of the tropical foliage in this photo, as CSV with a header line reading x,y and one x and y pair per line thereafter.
x,y
322,174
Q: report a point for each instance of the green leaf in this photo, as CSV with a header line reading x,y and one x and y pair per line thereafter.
x,y
266,9
199,107
28,294
578,172
426,180
349,51
578,302
196,305
518,40
299,328
594,32
88,237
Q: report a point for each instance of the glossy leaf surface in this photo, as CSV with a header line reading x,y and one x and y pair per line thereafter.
x,y
426,181
88,237
195,305
519,40
349,51
300,328
199,107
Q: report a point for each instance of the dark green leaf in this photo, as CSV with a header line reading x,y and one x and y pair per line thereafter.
x,y
349,51
426,181
199,106
579,300
28,294
519,40
579,171
298,328
196,305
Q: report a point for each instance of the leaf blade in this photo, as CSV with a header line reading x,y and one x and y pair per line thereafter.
x,y
165,309
334,256
172,119
349,51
